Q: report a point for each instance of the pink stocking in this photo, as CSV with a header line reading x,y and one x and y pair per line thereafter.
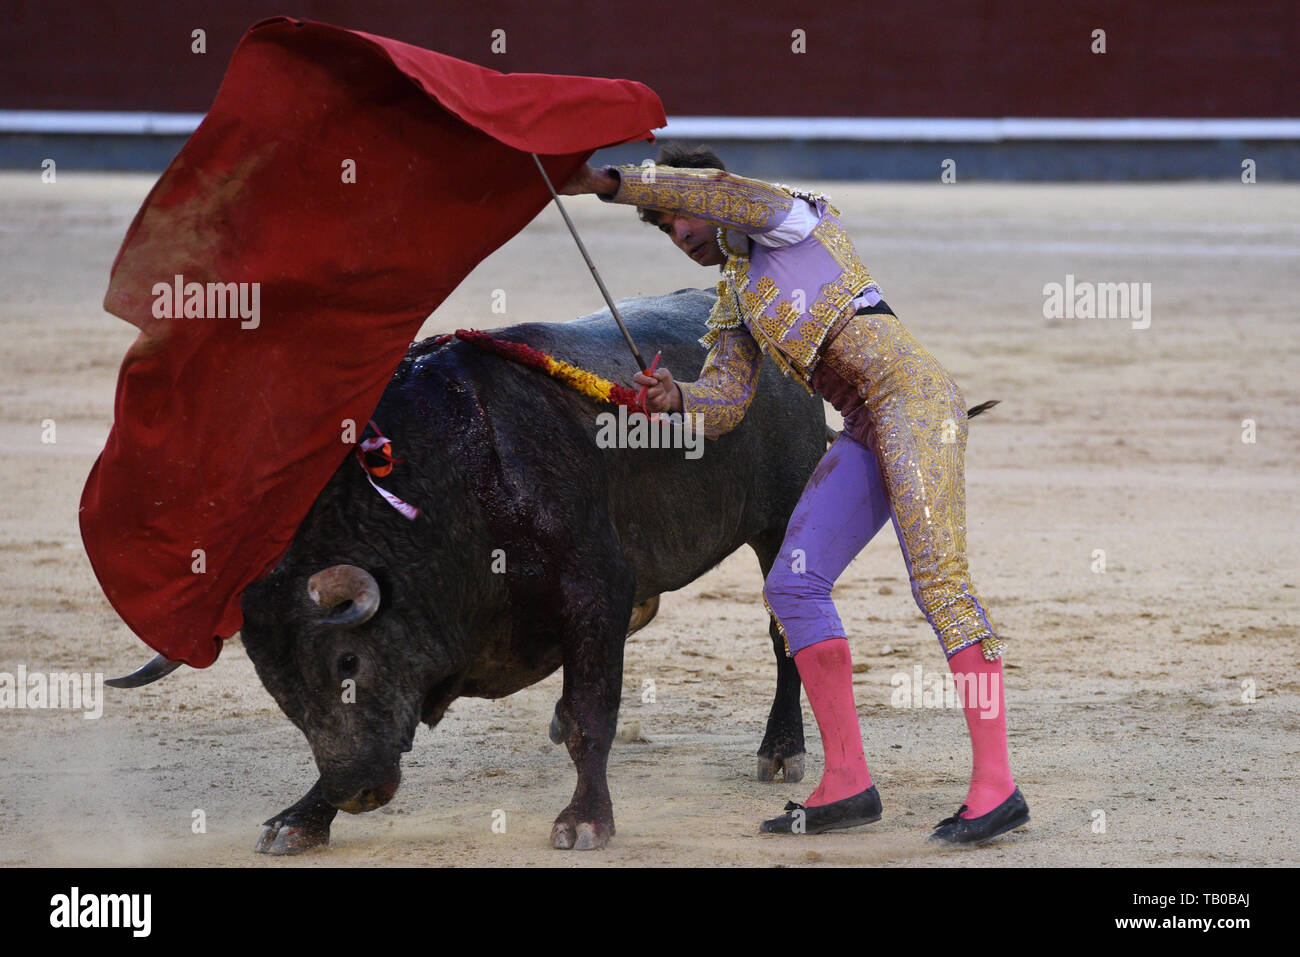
x,y
979,684
826,669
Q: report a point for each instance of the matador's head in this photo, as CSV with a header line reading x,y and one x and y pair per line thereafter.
x,y
697,238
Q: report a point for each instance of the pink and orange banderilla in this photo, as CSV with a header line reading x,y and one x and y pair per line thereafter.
x,y
588,383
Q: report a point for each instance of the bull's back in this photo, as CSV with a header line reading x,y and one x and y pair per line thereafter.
x,y
676,517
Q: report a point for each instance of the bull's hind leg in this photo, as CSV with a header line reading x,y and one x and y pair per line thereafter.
x,y
783,747
595,613
298,827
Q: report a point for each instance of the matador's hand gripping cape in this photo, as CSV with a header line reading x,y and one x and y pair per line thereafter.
x,y
356,180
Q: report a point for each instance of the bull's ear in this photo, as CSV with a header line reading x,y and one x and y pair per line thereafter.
x,y
350,595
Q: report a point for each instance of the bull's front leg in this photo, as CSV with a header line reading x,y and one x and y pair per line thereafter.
x,y
595,628
300,826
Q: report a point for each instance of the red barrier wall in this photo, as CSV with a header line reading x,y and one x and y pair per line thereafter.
x,y
1197,58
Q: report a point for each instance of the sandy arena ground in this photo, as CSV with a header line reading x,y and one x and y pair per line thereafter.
x,y
1128,689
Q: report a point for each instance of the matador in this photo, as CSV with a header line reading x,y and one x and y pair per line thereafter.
x,y
794,288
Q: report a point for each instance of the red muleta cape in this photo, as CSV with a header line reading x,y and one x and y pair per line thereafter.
x,y
224,431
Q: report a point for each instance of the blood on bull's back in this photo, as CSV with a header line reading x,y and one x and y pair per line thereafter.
x,y
678,509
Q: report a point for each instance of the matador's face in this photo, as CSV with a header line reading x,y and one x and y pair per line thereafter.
x,y
695,237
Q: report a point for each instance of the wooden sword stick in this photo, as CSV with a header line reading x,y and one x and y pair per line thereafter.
x,y
636,353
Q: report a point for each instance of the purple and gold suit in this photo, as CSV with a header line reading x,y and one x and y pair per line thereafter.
x,y
801,295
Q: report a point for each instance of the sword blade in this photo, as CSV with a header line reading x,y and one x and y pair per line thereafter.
x,y
636,353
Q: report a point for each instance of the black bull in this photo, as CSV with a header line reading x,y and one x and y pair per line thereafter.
x,y
536,549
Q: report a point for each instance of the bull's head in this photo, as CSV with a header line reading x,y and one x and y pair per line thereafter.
x,y
341,662
341,666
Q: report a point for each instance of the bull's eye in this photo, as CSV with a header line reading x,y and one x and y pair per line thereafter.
x,y
348,664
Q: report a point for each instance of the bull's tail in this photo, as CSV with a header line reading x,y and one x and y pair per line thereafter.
x,y
973,411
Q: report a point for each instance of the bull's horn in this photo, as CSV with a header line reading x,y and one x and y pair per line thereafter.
x,y
345,583
159,667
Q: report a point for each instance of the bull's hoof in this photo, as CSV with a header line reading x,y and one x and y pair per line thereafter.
x,y
791,766
281,838
569,833
561,836
585,837
590,838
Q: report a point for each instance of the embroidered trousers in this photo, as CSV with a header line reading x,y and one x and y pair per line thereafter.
x,y
901,458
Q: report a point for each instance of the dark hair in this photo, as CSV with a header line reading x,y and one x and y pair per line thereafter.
x,y
682,157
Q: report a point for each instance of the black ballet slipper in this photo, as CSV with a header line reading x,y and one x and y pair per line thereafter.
x,y
1007,816
861,808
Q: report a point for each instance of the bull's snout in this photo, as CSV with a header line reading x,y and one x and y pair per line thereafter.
x,y
369,798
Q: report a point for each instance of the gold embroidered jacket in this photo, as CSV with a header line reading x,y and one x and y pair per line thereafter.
x,y
780,299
